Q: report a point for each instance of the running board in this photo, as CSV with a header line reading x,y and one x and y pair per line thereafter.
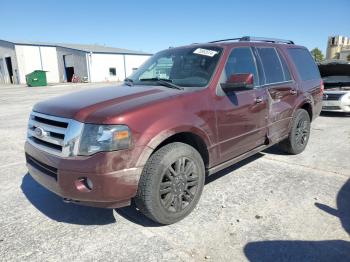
x,y
237,159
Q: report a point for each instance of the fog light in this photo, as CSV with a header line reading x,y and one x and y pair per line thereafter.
x,y
84,184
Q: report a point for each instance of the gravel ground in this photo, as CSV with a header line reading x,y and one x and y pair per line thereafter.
x,y
270,207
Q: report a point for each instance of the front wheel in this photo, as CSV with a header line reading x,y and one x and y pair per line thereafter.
x,y
299,134
171,183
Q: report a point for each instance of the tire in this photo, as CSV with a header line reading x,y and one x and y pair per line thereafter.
x,y
299,134
171,183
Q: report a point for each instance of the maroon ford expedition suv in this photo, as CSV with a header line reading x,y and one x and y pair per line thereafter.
x,y
186,113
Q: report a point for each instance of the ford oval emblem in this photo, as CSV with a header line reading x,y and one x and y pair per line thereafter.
x,y
39,131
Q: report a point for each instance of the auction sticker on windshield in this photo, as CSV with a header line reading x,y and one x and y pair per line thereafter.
x,y
206,52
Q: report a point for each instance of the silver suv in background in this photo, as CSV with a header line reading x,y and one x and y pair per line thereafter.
x,y
336,78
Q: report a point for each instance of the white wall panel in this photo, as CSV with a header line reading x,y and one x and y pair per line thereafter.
x,y
50,63
28,58
100,65
134,61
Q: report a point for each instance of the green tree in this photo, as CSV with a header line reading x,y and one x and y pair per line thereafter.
x,y
348,58
317,54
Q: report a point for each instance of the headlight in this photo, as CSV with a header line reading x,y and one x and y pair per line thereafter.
x,y
346,97
97,138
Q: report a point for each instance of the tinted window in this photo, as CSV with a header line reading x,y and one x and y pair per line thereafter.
x,y
241,61
286,71
306,66
272,65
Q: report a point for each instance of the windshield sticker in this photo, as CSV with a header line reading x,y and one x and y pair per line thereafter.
x,y
206,52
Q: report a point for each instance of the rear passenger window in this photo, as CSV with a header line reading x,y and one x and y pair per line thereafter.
x,y
304,63
272,65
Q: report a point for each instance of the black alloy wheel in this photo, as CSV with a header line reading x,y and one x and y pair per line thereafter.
x,y
179,185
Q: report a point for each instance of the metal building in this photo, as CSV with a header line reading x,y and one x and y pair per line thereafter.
x,y
95,63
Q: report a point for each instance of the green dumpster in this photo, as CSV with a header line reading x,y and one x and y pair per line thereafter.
x,y
36,78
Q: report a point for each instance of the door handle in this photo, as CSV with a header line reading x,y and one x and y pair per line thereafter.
x,y
259,100
293,92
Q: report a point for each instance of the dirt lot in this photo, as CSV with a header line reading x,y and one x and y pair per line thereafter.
x,y
270,207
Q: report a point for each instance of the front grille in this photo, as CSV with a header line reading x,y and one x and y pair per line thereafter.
x,y
333,97
55,135
47,131
43,168
50,121
331,108
47,144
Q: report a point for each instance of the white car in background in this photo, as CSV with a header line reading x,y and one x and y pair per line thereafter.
x,y
336,79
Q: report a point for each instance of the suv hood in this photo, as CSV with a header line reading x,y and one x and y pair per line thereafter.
x,y
97,105
335,75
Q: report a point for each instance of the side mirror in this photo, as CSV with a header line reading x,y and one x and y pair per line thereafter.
x,y
239,82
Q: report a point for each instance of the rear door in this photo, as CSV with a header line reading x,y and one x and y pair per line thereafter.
x,y
281,88
309,76
241,115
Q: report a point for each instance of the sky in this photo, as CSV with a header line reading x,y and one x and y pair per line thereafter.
x,y
155,25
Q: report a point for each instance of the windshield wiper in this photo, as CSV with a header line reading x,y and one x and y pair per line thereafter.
x,y
164,82
128,81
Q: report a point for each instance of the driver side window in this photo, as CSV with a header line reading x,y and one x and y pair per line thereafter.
x,y
240,61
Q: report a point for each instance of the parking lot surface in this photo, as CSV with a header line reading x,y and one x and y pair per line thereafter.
x,y
270,207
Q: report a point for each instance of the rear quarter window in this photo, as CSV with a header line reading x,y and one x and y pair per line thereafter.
x,y
304,63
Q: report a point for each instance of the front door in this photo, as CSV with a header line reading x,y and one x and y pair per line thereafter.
x,y
241,115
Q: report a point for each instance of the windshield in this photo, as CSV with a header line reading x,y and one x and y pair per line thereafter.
x,y
185,67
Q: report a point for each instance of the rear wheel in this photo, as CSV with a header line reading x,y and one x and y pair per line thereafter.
x,y
171,183
299,134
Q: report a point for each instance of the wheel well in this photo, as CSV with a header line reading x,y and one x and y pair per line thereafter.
x,y
308,108
190,139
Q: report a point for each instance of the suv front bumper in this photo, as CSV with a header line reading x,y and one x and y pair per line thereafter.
x,y
339,105
112,185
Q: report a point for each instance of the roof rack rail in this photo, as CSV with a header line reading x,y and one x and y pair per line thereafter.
x,y
253,38
264,39
224,40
